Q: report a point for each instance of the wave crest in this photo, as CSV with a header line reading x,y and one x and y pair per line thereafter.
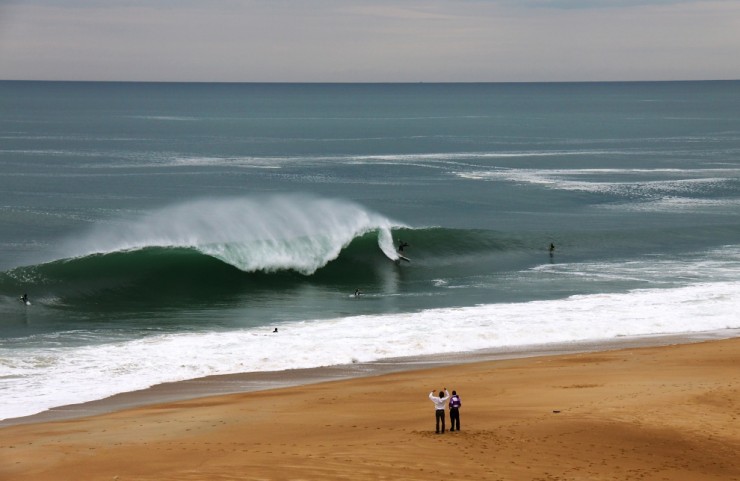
x,y
282,232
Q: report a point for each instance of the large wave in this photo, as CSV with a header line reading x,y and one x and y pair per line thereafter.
x,y
196,248
198,251
285,232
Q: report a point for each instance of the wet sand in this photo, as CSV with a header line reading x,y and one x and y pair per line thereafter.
x,y
644,413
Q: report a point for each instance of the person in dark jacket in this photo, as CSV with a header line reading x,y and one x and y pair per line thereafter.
x,y
455,404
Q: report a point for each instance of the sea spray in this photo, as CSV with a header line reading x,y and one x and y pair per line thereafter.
x,y
297,232
385,241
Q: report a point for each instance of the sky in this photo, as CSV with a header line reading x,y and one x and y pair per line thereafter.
x,y
369,40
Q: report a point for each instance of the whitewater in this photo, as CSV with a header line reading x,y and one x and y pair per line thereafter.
x,y
46,377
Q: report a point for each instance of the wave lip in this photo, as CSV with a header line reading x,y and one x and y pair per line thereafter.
x,y
281,232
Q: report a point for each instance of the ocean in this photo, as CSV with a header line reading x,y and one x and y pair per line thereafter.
x,y
163,231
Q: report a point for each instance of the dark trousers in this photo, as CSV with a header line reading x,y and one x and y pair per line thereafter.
x,y
454,419
440,415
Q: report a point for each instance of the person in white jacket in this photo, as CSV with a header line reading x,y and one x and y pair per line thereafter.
x,y
439,406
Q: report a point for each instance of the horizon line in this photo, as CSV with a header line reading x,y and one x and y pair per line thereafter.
x,y
317,82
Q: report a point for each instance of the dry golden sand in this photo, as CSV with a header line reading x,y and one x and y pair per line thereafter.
x,y
666,413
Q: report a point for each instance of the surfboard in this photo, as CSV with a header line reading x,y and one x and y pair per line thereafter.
x,y
403,258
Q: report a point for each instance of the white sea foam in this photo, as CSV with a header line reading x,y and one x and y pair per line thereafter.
x,y
655,189
201,161
677,204
575,179
428,160
716,265
35,379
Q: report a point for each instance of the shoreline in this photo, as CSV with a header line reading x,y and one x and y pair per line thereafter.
x,y
631,414
228,384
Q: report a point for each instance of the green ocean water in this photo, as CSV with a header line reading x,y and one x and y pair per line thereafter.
x,y
156,220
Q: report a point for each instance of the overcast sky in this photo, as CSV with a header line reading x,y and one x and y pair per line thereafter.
x,y
369,40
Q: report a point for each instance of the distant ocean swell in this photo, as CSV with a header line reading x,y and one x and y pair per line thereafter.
x,y
510,151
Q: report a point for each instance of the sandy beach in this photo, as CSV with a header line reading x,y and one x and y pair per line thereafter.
x,y
647,413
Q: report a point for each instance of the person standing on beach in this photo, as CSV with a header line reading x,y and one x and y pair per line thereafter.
x,y
455,404
439,406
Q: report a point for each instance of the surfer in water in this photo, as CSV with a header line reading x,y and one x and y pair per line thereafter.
x,y
358,293
401,246
24,298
